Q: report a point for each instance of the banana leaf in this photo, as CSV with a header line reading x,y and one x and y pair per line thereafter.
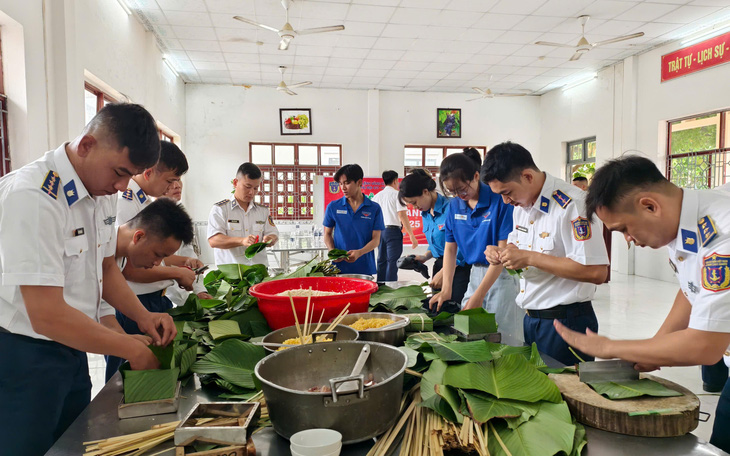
x,y
549,432
222,328
251,321
336,254
422,341
411,354
148,385
432,378
165,355
185,355
253,249
211,303
508,377
472,352
483,407
233,361
451,397
632,388
515,272
237,272
409,297
475,321
579,439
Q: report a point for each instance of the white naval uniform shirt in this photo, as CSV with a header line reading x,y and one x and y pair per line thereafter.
x,y
228,218
178,295
130,203
387,198
556,225
52,233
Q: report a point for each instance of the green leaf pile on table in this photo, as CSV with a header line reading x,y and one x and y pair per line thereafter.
x,y
482,398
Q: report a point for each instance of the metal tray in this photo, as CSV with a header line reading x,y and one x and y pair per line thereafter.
x,y
186,431
148,408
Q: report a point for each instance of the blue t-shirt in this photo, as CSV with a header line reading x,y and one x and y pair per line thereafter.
x,y
353,230
474,229
434,227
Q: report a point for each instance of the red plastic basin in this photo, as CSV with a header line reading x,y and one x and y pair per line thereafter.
x,y
277,309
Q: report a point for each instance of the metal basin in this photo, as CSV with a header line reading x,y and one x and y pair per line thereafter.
x,y
360,415
393,334
357,276
340,332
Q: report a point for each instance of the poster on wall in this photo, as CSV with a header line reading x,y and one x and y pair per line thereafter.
x,y
371,186
295,121
448,123
701,56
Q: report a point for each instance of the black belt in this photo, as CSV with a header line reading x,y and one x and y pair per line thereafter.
x,y
397,227
563,311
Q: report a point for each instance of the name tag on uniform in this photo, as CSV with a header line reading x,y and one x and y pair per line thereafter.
x,y
460,216
260,222
233,221
342,211
79,232
521,228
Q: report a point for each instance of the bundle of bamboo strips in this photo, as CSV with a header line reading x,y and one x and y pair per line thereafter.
x,y
132,444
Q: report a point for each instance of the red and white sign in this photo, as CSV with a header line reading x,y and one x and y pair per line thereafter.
x,y
697,57
370,187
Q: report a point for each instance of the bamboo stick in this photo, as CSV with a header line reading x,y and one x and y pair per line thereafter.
x,y
499,439
306,315
296,319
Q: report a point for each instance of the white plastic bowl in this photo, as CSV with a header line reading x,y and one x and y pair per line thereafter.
x,y
316,442
335,453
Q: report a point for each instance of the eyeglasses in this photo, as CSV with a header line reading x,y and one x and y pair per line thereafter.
x,y
462,192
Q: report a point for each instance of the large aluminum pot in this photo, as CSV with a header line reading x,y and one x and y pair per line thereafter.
x,y
360,415
278,336
392,334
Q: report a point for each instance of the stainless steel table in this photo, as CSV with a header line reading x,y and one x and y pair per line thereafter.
x,y
287,247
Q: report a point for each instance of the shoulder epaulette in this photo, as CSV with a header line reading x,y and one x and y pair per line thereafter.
x,y
706,228
222,202
51,183
127,195
561,198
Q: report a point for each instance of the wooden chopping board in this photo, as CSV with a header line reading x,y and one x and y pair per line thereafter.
x,y
594,410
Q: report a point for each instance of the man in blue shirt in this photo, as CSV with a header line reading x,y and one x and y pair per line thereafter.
x,y
353,223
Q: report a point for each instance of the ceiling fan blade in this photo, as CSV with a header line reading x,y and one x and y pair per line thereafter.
x,y
309,31
479,90
300,84
576,56
474,99
249,21
550,43
245,40
290,92
619,38
284,43
510,94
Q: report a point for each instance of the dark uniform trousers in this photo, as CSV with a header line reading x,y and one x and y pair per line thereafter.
x,y
721,428
44,386
538,327
461,279
389,250
154,302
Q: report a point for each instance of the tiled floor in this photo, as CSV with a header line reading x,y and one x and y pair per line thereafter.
x,y
629,307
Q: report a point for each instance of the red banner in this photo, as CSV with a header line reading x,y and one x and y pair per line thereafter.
x,y
371,186
697,57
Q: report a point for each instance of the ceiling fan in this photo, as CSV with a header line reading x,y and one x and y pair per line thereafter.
x,y
282,87
584,45
489,94
287,33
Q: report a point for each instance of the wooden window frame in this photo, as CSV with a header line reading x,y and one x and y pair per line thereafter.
x,y
570,163
434,170
5,164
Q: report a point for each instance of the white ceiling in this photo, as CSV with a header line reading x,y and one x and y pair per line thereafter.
x,y
413,45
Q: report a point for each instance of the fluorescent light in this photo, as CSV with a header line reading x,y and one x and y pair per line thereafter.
x,y
125,7
579,81
714,31
170,66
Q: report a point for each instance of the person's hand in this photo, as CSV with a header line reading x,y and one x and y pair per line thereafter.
x,y
271,239
249,240
204,295
646,367
159,326
438,280
193,263
185,278
439,299
494,254
143,358
414,241
353,255
589,343
474,302
146,340
514,258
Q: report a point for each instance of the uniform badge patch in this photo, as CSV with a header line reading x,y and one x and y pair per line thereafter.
x,y
79,231
127,195
716,272
110,220
51,183
219,203
271,221
673,266
562,199
544,234
693,288
544,204
581,229
707,230
689,240
441,227
141,196
334,187
71,194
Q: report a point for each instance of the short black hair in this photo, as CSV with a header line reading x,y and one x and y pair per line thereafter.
x,y
505,162
172,158
457,166
249,170
580,179
620,178
165,218
133,127
474,155
352,172
389,176
415,183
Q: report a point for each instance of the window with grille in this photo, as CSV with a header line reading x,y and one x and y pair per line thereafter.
x,y
4,148
288,170
581,159
697,149
430,157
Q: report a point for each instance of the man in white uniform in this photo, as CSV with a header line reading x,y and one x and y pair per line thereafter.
x,y
57,242
395,217
236,223
632,197
560,252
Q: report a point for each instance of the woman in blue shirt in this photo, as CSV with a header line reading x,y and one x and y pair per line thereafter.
x,y
419,190
476,219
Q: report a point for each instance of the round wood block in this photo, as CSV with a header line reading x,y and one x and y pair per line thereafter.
x,y
594,410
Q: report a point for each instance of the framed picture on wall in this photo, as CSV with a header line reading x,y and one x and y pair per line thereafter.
x,y
448,123
295,121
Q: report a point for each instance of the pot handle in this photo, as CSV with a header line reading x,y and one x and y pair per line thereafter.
x,y
335,382
324,333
